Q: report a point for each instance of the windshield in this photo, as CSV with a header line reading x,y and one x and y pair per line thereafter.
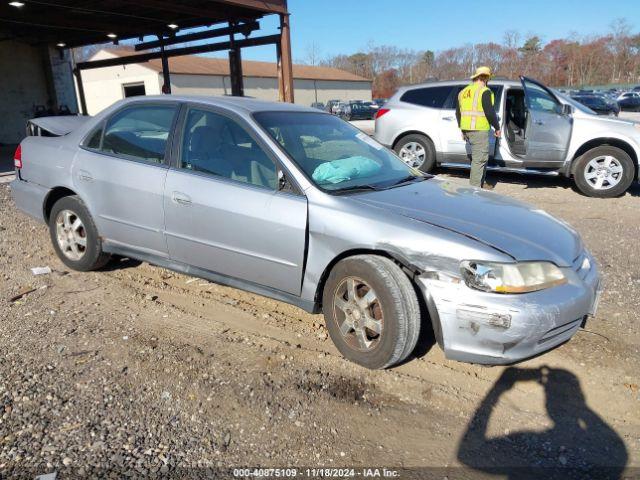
x,y
333,154
573,103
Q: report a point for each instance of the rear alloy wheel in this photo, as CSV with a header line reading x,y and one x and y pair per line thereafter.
x,y
371,311
417,151
604,172
71,235
74,235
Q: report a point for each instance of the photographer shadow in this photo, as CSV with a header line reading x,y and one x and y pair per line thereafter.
x,y
579,445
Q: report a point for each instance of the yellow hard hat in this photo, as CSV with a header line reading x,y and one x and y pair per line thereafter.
x,y
481,71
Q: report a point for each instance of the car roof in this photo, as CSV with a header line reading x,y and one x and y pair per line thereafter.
x,y
240,104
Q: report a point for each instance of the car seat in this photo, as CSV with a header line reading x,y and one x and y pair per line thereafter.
x,y
202,149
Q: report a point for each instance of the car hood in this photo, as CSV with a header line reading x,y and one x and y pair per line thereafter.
x,y
512,227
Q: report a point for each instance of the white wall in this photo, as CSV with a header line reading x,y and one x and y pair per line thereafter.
x,y
23,85
200,85
305,91
103,86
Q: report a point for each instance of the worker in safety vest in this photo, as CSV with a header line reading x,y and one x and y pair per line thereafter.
x,y
476,116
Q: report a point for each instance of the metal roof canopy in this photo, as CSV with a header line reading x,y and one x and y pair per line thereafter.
x,y
86,22
75,23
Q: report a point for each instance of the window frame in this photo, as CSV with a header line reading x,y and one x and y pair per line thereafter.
x,y
170,139
87,137
133,84
527,97
178,143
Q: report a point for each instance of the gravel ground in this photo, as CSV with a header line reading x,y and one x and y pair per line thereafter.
x,y
135,371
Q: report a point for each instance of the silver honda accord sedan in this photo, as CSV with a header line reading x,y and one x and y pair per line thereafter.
x,y
298,205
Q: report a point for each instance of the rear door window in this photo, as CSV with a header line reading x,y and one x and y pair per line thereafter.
x,y
140,132
433,97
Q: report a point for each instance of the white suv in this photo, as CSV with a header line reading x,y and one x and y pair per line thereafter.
x,y
544,132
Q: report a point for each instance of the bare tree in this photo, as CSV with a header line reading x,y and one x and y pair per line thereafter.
x,y
313,54
572,61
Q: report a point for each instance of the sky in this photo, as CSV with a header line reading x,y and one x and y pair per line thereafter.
x,y
347,26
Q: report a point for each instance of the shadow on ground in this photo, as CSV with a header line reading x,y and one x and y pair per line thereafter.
x,y
579,445
529,181
120,263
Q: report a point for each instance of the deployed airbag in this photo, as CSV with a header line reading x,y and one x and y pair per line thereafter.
x,y
345,169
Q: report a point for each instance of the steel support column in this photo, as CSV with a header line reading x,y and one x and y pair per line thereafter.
x,y
235,71
235,66
285,67
166,75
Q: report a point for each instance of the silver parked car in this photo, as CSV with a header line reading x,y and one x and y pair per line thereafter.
x,y
298,205
544,132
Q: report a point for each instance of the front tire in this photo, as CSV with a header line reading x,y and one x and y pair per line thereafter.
x,y
604,172
417,151
74,235
371,311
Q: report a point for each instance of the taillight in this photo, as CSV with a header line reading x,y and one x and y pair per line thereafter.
x,y
17,157
381,112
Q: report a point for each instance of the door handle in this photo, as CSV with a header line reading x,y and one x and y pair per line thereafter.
x,y
448,119
84,175
180,198
539,122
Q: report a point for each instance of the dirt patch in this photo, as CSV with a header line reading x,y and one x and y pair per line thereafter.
x,y
145,371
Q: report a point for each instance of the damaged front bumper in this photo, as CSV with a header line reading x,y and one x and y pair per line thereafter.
x,y
491,328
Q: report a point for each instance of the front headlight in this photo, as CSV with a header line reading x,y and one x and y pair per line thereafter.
x,y
511,277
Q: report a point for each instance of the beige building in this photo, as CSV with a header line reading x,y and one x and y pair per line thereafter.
x,y
194,75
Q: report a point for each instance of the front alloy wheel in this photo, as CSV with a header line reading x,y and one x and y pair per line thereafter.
x,y
371,311
358,313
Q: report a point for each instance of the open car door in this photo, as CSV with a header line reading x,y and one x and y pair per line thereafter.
x,y
548,128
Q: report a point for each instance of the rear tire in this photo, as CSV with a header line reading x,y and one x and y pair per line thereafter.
x,y
604,172
74,235
417,151
371,311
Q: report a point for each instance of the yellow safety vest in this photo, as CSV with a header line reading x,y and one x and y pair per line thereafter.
x,y
471,112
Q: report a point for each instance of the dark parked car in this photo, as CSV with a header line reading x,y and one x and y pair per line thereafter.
x,y
318,105
629,101
357,111
599,104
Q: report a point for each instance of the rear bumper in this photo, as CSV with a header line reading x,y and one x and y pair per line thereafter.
x,y
495,329
29,197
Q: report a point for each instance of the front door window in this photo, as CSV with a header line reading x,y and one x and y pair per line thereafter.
x,y
217,145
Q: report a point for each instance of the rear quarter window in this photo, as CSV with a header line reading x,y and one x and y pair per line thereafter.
x,y
433,97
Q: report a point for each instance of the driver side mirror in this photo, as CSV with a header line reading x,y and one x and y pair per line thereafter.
x,y
567,109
